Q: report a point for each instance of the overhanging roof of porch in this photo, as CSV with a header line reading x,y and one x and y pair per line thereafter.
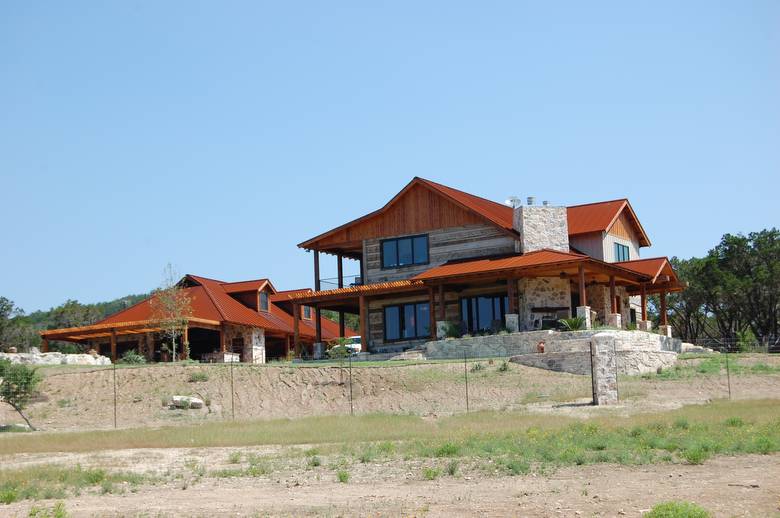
x,y
354,292
544,262
119,328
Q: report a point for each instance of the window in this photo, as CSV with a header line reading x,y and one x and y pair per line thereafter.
x,y
404,251
307,312
483,313
407,321
263,301
621,252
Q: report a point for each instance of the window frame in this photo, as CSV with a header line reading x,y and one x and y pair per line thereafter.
x,y
303,313
411,242
260,301
619,255
402,321
472,309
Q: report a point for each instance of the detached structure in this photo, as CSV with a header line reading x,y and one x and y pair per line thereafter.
x,y
248,321
435,256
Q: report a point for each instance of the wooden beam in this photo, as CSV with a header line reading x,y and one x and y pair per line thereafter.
x,y
113,346
316,270
222,339
296,329
442,304
583,294
340,266
44,345
612,294
318,325
643,297
511,292
363,324
432,311
342,326
185,342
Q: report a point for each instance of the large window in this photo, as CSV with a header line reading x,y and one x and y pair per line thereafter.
x,y
407,321
263,301
404,251
621,252
483,313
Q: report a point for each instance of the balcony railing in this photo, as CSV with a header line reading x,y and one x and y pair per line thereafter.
x,y
333,282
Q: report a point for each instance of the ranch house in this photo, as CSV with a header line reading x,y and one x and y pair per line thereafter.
x,y
435,257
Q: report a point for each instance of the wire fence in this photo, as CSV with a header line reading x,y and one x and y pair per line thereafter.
x,y
460,380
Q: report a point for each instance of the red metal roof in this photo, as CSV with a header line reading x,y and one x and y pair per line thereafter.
x,y
498,213
211,300
536,258
600,216
363,289
652,267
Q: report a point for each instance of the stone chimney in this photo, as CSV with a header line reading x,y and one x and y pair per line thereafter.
x,y
541,227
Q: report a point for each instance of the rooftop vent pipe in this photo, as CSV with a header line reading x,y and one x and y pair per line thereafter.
x,y
530,200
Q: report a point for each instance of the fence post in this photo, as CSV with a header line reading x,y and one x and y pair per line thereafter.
x,y
232,391
351,409
466,376
728,373
115,395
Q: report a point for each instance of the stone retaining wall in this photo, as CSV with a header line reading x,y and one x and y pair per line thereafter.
x,y
55,358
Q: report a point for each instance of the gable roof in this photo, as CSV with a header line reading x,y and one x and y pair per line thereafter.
x,y
498,264
582,219
601,216
653,267
244,286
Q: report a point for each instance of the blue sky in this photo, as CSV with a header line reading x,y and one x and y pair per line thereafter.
x,y
218,135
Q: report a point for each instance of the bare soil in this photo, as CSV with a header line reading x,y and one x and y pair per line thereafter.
x,y
727,486
83,398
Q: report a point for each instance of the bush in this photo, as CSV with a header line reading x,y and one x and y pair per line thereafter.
x,y
695,455
133,358
343,476
452,468
431,473
573,324
678,510
339,352
198,376
504,367
452,329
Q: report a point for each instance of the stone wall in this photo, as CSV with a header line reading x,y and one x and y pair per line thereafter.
x,y
55,358
542,292
541,227
254,342
598,300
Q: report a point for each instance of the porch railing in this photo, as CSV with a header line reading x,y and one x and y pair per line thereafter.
x,y
332,283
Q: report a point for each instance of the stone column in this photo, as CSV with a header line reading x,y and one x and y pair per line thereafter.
x,y
512,322
665,330
615,320
645,325
584,312
604,369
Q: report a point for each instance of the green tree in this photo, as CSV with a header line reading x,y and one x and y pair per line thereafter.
x,y
172,308
17,386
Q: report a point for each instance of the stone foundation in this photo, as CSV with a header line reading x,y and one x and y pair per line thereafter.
x,y
665,331
585,312
615,320
644,325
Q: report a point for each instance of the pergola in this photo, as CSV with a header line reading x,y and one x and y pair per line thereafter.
x,y
642,277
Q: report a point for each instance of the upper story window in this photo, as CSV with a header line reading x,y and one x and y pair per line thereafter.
x,y
263,301
621,252
307,312
404,251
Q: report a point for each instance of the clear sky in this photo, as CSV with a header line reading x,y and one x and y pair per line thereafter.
x,y
218,135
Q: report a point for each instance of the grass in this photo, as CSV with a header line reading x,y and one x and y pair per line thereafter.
x,y
198,377
430,473
677,510
342,476
713,365
56,481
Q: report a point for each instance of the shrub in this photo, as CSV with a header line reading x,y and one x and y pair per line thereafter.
x,y
452,468
447,449
431,473
678,510
234,457
198,376
517,466
695,455
339,352
452,329
504,367
314,462
477,367
132,358
342,476
573,324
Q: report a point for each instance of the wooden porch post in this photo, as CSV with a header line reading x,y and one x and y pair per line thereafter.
x,y
296,329
185,342
612,294
318,325
643,297
286,346
45,345
511,292
442,304
316,270
581,276
340,265
113,345
432,306
664,321
342,327
363,324
222,339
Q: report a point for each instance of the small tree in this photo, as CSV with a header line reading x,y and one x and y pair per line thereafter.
x,y
172,308
17,386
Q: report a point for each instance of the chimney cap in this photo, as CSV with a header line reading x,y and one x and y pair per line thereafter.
x,y
530,200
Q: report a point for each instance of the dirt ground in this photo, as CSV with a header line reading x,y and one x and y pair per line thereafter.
x,y
82,398
727,486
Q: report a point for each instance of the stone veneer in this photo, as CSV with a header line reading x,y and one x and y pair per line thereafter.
x,y
254,342
541,227
539,292
598,300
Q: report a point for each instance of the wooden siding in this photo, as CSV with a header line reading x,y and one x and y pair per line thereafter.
x,y
589,244
419,210
623,228
609,247
445,244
